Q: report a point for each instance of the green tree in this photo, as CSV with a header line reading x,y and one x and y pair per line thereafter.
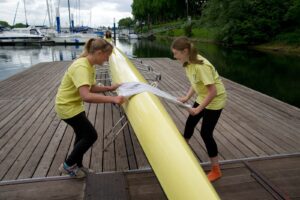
x,y
20,25
126,22
4,24
292,17
155,11
246,21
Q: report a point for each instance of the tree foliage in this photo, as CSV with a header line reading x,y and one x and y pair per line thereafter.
x,y
126,22
249,21
157,11
237,21
4,24
292,17
20,25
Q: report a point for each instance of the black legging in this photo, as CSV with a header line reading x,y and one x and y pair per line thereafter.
x,y
86,135
210,119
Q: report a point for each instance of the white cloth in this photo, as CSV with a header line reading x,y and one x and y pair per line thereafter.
x,y
132,88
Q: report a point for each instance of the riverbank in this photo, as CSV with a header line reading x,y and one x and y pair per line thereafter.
x,y
287,43
279,48
274,47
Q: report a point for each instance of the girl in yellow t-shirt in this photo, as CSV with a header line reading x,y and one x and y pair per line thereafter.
x,y
211,98
108,37
77,86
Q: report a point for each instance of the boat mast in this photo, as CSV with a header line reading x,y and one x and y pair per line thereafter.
x,y
57,20
70,16
16,13
79,11
49,14
91,18
25,12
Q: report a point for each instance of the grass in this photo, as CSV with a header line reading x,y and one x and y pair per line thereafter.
x,y
200,34
204,33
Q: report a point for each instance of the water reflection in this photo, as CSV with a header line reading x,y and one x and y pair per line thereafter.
x,y
152,49
274,75
14,59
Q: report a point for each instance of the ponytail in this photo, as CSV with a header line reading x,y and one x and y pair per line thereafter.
x,y
95,44
182,43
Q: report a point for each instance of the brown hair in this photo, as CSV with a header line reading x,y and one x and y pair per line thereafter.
x,y
107,34
182,43
95,44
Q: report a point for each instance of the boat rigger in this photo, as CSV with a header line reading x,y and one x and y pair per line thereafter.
x,y
171,159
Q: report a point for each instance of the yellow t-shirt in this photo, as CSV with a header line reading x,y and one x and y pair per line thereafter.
x,y
204,74
68,102
110,40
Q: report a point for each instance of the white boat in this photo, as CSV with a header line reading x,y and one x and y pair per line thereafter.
x,y
133,36
127,34
22,36
71,38
29,30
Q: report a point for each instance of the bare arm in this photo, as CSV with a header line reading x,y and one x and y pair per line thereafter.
x,y
189,94
98,88
90,97
212,92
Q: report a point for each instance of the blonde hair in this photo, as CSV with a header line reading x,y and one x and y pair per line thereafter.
x,y
95,44
182,43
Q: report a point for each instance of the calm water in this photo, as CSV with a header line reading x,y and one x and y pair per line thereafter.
x,y
272,74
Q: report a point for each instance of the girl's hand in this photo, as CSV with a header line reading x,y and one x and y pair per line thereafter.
x,y
119,99
195,111
182,99
115,86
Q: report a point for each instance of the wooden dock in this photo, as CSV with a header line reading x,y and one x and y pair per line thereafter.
x,y
256,135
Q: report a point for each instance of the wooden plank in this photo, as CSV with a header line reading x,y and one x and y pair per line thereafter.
x,y
61,153
108,186
8,106
269,119
97,149
46,190
18,137
262,126
284,173
120,148
109,162
30,85
11,119
30,143
268,145
48,129
144,186
45,162
129,148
